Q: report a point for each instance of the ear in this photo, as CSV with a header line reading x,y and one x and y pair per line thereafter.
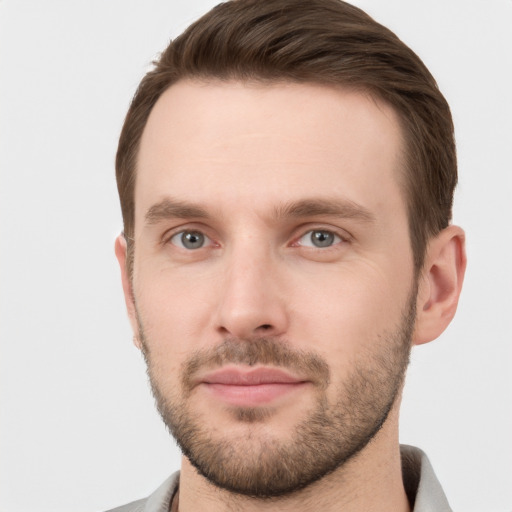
x,y
121,255
440,284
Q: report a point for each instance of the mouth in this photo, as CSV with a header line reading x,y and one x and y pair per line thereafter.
x,y
250,387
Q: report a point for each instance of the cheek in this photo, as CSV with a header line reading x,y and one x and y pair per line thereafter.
x,y
347,311
174,310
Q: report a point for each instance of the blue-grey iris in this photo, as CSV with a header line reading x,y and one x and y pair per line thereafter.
x,y
322,238
192,239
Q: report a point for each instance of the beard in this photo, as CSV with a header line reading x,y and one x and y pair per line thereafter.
x,y
260,465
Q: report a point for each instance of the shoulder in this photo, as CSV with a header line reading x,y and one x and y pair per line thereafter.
x,y
158,501
420,482
134,506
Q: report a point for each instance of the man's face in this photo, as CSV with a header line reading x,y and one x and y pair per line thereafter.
x,y
273,276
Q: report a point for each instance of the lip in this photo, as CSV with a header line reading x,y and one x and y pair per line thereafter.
x,y
250,388
252,377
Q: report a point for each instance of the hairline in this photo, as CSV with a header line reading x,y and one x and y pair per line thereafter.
x,y
404,153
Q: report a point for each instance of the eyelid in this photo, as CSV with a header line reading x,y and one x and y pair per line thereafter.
x,y
343,235
207,241
301,232
183,228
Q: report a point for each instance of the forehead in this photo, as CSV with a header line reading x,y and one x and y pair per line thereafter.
x,y
214,142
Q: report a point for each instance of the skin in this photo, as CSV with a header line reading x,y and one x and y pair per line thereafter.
x,y
242,152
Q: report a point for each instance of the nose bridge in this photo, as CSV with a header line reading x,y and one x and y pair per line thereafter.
x,y
250,300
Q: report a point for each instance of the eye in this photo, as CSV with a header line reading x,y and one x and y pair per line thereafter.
x,y
190,240
319,238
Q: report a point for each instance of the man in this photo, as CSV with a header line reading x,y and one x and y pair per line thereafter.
x,y
286,175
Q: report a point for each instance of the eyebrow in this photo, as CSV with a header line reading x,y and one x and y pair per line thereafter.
x,y
343,208
314,207
172,209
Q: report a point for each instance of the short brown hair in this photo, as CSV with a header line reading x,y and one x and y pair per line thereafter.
x,y
311,41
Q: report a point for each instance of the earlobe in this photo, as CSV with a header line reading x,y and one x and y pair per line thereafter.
x,y
121,251
440,284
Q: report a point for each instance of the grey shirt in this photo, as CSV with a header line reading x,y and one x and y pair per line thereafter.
x,y
421,485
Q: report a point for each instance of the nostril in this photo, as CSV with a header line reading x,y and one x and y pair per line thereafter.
x,y
265,327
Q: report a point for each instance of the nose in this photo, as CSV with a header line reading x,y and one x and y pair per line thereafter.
x,y
252,299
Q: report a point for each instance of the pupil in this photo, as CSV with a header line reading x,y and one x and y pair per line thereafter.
x,y
322,238
192,240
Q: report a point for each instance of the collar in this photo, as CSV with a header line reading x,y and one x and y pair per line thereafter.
x,y
420,482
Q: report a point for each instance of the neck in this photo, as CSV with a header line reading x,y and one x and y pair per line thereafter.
x,y
370,481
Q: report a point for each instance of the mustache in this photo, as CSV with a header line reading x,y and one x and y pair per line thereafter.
x,y
254,351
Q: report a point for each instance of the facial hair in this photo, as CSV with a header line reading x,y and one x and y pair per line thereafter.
x,y
333,432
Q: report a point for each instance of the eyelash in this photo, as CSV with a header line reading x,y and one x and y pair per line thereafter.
x,y
191,232
339,238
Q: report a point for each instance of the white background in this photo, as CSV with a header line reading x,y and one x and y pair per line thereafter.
x,y
78,427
